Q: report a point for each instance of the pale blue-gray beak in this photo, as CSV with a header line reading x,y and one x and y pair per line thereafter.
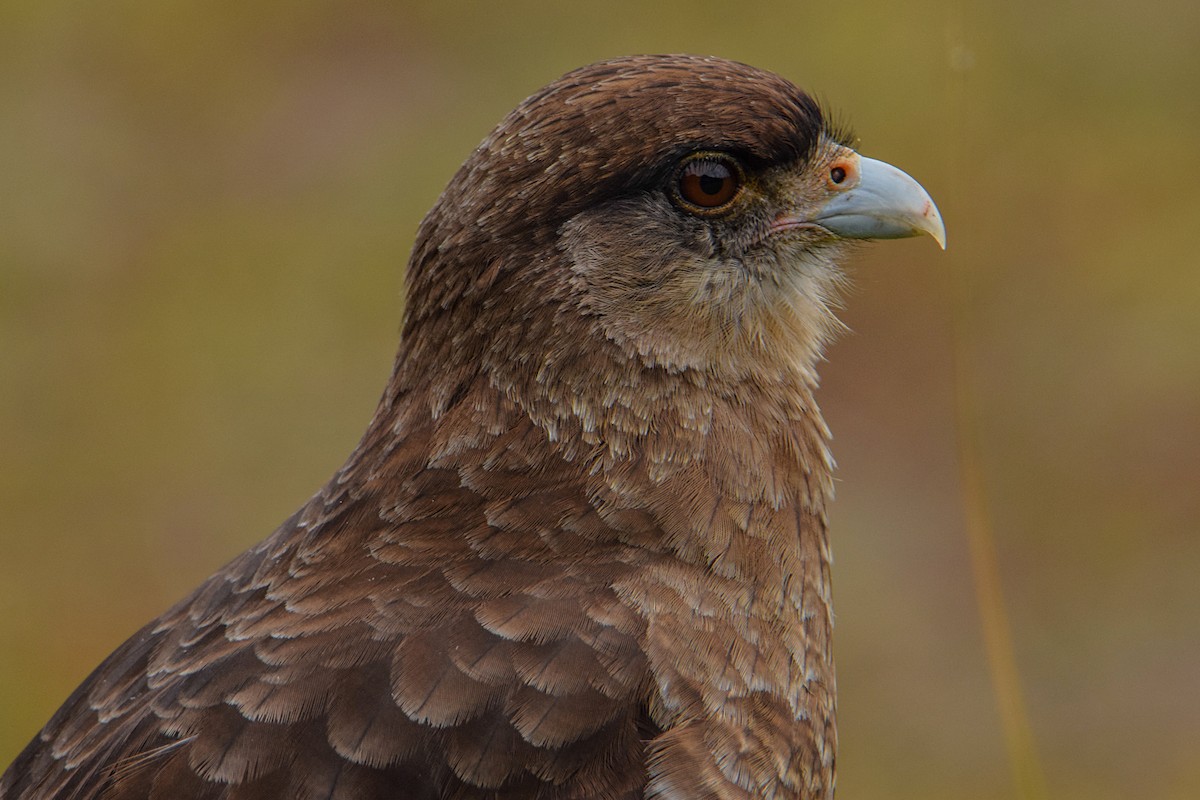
x,y
874,200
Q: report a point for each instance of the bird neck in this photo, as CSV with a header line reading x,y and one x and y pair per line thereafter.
x,y
712,490
731,480
745,596
717,462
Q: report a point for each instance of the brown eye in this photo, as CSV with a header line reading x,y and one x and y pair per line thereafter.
x,y
709,181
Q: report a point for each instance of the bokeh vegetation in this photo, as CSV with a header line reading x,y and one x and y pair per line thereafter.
x,y
205,210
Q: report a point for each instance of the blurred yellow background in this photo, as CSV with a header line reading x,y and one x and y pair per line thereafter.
x,y
205,210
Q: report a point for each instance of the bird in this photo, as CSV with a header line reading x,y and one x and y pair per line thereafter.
x,y
582,549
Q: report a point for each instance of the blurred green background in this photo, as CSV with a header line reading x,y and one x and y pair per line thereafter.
x,y
205,210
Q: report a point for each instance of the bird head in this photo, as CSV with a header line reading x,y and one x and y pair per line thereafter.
x,y
688,210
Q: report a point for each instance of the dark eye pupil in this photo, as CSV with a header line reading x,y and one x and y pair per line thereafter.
x,y
837,174
712,184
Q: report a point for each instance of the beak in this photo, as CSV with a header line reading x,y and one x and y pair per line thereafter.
x,y
874,200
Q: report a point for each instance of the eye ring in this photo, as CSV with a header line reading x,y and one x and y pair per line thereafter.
x,y
708,183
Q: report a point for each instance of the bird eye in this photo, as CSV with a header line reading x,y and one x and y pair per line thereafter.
x,y
708,181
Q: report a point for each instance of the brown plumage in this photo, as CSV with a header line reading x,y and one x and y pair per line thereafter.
x,y
581,550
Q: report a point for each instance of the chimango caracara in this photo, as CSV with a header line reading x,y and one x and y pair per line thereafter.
x,y
581,550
